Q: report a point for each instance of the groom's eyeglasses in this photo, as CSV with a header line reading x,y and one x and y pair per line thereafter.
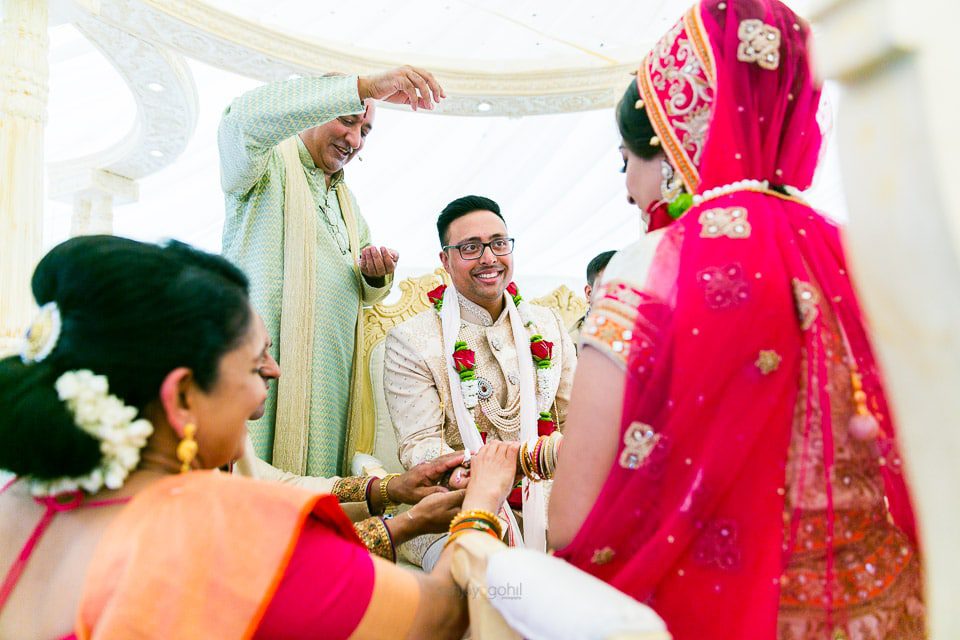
x,y
472,250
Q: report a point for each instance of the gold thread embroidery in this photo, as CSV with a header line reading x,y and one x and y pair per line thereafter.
x,y
602,556
675,80
730,222
698,36
768,361
638,440
375,537
759,43
351,488
610,324
807,299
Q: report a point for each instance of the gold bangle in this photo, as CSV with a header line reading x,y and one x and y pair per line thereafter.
x,y
478,514
523,462
555,438
384,498
456,534
453,536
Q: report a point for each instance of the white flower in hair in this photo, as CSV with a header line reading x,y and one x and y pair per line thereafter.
x,y
42,334
107,419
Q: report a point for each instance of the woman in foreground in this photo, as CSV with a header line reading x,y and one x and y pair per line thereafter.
x,y
133,387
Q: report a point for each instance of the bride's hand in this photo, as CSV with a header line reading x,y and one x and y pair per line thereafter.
x,y
492,473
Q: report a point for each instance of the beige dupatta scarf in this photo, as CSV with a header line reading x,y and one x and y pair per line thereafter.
x,y
297,322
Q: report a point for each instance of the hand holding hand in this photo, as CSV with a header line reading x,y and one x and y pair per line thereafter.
x,y
421,480
404,85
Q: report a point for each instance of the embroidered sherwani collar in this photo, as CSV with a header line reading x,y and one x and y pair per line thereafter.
x,y
475,314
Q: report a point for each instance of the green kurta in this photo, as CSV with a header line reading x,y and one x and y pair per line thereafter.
x,y
253,178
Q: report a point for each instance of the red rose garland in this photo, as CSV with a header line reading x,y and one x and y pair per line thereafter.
x,y
542,351
514,293
545,424
435,297
464,360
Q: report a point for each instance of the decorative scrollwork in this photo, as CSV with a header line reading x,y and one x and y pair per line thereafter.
x,y
380,318
568,304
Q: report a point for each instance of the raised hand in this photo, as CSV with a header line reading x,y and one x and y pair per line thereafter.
x,y
404,85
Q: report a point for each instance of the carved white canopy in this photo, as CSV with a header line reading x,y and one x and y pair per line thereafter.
x,y
137,89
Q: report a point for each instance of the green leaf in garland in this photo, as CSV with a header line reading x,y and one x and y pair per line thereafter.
x,y
680,205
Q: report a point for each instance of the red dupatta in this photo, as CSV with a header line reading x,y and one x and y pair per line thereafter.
x,y
741,296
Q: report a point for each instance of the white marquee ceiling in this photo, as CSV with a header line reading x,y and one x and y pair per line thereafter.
x,y
554,175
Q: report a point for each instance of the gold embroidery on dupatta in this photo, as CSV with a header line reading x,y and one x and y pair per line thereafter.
x,y
675,84
876,588
698,36
806,297
730,222
639,440
768,361
759,43
602,556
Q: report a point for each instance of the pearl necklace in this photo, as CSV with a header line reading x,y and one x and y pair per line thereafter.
x,y
739,185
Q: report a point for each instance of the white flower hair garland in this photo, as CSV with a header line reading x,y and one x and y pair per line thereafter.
x,y
110,421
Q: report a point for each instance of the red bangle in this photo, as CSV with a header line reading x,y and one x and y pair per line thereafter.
x,y
535,459
366,493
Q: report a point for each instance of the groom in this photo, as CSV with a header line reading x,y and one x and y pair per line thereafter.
x,y
482,363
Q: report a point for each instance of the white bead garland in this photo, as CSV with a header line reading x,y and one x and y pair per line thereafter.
x,y
739,185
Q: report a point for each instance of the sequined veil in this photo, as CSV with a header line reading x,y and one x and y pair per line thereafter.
x,y
743,503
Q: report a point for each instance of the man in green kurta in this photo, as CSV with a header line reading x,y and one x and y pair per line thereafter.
x,y
317,125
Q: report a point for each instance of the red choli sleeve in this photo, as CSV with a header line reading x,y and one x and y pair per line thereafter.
x,y
325,590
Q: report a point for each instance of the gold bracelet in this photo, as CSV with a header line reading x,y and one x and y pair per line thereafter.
x,y
384,498
478,514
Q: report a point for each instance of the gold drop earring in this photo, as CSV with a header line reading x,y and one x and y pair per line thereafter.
x,y
188,447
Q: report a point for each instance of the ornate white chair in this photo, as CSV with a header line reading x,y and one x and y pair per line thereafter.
x,y
377,322
569,305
